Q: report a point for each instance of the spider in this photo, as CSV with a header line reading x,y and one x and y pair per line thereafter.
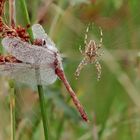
x,y
90,54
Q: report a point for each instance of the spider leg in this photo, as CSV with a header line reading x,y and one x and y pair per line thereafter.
x,y
80,67
98,68
101,38
86,36
81,51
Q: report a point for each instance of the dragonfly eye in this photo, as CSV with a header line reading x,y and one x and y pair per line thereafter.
x,y
43,42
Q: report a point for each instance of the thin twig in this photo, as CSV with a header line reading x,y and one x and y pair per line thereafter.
x,y
2,7
12,13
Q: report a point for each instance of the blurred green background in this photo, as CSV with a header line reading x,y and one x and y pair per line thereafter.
x,y
113,103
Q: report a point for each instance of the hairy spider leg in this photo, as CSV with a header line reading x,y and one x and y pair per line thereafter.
x,y
101,38
86,36
98,69
81,51
85,40
80,67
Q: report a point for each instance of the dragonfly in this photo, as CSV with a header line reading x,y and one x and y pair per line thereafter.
x,y
39,63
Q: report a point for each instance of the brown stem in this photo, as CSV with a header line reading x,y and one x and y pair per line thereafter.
x,y
77,103
5,30
1,7
12,16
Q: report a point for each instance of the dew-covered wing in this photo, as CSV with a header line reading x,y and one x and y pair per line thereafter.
x,y
47,75
26,52
39,33
25,73
20,72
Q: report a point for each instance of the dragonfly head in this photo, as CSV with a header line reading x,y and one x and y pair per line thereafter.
x,y
43,42
39,42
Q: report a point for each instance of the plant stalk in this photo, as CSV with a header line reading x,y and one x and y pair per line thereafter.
x,y
27,19
43,110
39,86
12,110
12,13
12,20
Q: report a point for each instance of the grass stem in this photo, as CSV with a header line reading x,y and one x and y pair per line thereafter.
x,y
27,19
12,109
43,110
12,20
40,88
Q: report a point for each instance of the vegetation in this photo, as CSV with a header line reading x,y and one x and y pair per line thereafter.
x,y
112,103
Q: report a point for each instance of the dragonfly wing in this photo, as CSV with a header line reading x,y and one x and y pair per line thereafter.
x,y
25,73
20,72
4,71
39,33
47,75
26,52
